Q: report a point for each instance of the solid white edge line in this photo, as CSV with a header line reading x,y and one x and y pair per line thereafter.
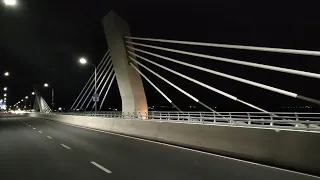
x,y
49,137
66,146
101,167
188,149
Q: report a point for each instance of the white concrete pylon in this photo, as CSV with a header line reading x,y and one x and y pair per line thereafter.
x,y
129,81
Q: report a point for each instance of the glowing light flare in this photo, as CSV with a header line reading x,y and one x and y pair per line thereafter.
x,y
10,2
83,61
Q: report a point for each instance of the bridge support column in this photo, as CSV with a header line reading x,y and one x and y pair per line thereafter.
x,y
129,81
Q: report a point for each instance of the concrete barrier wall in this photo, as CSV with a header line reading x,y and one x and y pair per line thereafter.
x,y
288,149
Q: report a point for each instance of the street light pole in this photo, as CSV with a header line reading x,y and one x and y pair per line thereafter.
x,y
95,96
52,96
26,103
33,94
52,100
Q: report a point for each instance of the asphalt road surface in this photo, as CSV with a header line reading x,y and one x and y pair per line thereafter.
x,y
37,149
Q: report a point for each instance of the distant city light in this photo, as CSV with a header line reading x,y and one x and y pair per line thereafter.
x,y
60,109
6,74
27,97
5,95
5,88
46,85
33,93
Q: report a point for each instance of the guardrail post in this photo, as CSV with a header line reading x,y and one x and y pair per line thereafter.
x,y
297,119
230,121
271,123
249,122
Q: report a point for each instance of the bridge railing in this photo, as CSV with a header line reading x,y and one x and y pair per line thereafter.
x,y
303,121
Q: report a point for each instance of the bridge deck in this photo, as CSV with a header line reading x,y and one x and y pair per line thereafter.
x,y
38,149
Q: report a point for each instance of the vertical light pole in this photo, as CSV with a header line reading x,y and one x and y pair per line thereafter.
x,y
52,99
26,104
33,93
95,96
52,95
22,104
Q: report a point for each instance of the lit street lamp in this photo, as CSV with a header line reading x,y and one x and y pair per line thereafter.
x,y
5,88
6,74
33,93
84,61
10,2
5,95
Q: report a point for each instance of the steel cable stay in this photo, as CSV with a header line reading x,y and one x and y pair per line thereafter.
x,y
263,86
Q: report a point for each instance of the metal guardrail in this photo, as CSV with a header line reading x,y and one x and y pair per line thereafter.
x,y
284,120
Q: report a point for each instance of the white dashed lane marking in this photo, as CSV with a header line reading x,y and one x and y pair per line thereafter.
x,y
66,146
101,167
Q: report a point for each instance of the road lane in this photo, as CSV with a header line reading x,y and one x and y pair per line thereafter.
x,y
27,154
134,159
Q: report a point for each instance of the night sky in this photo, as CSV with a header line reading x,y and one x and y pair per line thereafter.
x,y
41,41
